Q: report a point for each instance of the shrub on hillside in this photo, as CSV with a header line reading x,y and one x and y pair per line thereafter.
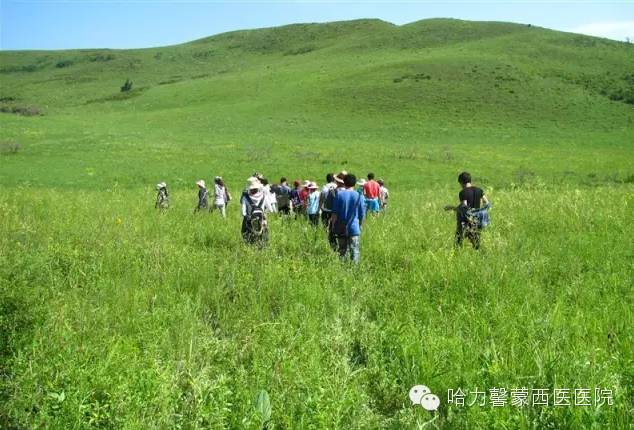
x,y
64,63
301,50
127,86
9,148
14,69
101,58
22,110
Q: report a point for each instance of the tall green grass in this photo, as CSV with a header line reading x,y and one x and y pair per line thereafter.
x,y
145,320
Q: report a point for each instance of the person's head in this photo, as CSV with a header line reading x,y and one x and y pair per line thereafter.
x,y
339,177
464,178
283,180
330,178
264,181
350,180
253,185
200,183
218,180
381,182
312,187
296,183
370,176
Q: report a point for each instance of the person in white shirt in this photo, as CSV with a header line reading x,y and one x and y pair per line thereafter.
x,y
384,195
269,195
221,196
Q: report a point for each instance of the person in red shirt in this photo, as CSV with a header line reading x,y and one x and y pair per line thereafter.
x,y
371,191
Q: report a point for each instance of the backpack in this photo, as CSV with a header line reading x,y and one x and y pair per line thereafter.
x,y
256,218
294,197
329,202
282,197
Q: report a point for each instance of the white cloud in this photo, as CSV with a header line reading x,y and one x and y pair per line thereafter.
x,y
617,30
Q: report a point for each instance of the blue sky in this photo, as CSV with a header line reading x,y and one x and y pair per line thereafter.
x,y
64,24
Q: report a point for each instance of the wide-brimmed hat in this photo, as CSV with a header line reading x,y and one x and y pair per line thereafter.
x,y
361,182
200,183
312,186
253,184
306,183
161,185
340,176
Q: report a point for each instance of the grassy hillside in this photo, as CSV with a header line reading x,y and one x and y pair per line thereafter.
x,y
435,82
112,316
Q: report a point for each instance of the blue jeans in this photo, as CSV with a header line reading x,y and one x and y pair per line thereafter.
x,y
349,244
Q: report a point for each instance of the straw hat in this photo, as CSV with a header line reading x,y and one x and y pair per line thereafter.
x,y
312,186
161,185
361,182
306,183
201,183
253,184
339,176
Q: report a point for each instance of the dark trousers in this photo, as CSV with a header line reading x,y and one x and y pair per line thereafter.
x,y
325,218
251,237
313,219
470,231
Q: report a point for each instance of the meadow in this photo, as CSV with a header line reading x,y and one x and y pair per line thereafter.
x,y
113,315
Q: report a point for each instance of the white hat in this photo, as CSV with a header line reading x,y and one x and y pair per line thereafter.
x,y
201,183
161,185
339,176
312,186
253,184
306,183
361,182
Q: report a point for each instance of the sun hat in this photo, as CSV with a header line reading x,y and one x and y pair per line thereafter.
x,y
339,176
306,183
201,183
312,186
253,184
161,185
361,182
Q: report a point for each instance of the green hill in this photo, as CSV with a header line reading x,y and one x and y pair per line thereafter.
x,y
366,80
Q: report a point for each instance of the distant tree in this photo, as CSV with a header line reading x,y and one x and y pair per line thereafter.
x,y
628,40
127,86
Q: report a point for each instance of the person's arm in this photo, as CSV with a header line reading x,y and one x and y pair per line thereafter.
x,y
243,206
485,200
361,211
333,213
267,207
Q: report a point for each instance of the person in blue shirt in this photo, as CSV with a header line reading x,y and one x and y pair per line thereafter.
x,y
312,204
347,217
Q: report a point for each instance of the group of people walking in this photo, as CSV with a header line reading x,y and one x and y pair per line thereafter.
x,y
340,206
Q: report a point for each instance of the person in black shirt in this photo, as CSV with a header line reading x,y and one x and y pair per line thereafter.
x,y
470,197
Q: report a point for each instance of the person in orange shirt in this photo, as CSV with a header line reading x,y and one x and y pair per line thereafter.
x,y
371,191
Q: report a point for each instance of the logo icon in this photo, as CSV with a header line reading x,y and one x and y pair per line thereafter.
x,y
422,395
